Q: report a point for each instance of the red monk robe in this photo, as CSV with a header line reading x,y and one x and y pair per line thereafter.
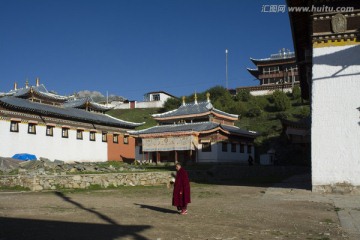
x,y
181,194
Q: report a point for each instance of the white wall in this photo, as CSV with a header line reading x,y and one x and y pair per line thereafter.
x,y
335,132
207,156
217,155
268,92
55,147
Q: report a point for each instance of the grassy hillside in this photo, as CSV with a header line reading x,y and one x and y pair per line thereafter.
x,y
137,115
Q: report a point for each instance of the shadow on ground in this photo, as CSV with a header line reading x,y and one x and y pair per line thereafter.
x,y
294,177
157,209
26,229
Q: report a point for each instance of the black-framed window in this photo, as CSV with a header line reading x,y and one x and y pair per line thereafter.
x,y
49,131
233,147
14,126
116,138
140,150
79,134
206,147
65,132
104,136
156,97
126,139
92,136
249,147
32,128
242,148
224,146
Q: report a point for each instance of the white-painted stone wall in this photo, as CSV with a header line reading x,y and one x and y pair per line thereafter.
x,y
66,149
268,92
335,132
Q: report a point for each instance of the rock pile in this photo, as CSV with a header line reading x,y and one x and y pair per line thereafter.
x,y
44,166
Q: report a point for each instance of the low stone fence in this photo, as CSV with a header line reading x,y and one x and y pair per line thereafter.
x,y
83,181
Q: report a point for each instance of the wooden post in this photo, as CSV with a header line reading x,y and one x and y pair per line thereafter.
x,y
176,156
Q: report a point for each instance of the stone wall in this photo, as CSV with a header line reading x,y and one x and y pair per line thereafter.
x,y
83,181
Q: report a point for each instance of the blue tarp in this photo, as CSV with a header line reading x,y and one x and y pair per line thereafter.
x,y
24,156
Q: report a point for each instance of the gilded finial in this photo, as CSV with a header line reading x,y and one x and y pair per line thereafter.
x,y
37,81
26,83
15,86
195,98
183,100
208,97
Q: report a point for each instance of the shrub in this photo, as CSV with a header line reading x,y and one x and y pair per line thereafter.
x,y
281,101
296,92
254,112
243,95
282,115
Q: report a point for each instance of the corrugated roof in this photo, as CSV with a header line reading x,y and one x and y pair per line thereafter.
x,y
61,112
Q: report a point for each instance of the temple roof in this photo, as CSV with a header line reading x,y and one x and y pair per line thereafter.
x,y
194,109
194,127
24,105
83,103
283,56
40,90
254,72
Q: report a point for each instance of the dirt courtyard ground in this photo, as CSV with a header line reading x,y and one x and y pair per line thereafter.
x,y
216,212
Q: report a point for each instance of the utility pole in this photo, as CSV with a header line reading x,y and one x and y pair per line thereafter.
x,y
226,68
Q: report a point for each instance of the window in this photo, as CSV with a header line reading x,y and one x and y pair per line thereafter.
x,y
104,136
242,148
140,150
156,97
126,139
206,147
32,128
249,148
116,138
224,147
233,147
49,131
93,136
14,126
65,133
79,134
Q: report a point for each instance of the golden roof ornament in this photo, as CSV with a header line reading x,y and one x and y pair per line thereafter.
x,y
183,100
208,97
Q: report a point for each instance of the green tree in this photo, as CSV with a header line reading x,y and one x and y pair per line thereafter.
x,y
243,95
171,104
254,112
296,92
281,101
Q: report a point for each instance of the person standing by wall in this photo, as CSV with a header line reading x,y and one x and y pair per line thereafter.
x,y
181,193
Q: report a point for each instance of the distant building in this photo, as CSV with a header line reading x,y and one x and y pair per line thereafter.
x,y
195,132
327,47
278,72
151,100
33,120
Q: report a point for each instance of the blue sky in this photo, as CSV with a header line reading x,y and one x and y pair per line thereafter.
x,y
130,47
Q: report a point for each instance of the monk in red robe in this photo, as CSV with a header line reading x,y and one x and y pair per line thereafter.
x,y
181,194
